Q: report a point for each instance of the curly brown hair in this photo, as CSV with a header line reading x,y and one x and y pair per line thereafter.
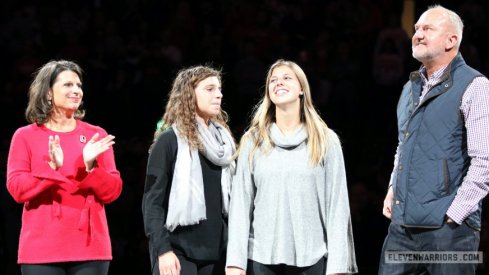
x,y
181,106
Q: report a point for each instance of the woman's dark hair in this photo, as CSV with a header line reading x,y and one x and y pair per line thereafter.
x,y
40,106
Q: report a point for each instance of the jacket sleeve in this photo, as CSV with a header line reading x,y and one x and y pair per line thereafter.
x,y
339,233
240,211
159,173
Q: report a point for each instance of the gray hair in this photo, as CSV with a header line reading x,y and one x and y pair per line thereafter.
x,y
453,19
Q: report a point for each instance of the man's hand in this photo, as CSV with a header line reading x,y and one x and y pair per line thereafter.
x,y
387,210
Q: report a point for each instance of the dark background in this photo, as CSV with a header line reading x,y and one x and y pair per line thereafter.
x,y
355,53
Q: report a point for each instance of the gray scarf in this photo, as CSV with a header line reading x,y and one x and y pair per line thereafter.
x,y
187,202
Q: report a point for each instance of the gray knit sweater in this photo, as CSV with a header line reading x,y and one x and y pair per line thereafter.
x,y
283,211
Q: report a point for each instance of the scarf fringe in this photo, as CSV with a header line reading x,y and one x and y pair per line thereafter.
x,y
172,227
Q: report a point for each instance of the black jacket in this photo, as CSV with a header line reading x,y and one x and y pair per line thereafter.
x,y
204,241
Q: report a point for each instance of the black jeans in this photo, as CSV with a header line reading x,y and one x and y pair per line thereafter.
x,y
67,268
450,237
256,268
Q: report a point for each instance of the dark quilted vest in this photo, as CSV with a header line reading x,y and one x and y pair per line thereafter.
x,y
433,158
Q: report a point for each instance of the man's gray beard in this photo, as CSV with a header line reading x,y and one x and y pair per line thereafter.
x,y
423,57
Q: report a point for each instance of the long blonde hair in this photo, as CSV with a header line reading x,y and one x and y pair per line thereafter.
x,y
181,106
264,115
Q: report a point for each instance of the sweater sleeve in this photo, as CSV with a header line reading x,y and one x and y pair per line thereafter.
x,y
159,173
104,180
339,234
26,180
240,211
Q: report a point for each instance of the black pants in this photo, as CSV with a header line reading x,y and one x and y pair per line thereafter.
x,y
256,268
68,268
196,267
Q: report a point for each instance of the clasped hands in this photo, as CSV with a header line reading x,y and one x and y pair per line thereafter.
x,y
91,151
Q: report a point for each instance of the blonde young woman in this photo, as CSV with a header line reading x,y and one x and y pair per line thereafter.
x,y
186,194
289,210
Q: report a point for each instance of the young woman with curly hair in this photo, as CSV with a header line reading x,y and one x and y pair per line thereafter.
x,y
186,193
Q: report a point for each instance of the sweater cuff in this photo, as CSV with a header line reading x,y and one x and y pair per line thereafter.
x,y
239,263
160,243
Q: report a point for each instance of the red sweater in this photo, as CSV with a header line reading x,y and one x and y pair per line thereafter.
x,y
63,217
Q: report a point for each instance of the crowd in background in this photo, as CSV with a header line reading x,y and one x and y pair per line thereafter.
x,y
355,53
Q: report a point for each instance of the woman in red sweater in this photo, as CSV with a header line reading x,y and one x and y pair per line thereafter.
x,y
63,170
